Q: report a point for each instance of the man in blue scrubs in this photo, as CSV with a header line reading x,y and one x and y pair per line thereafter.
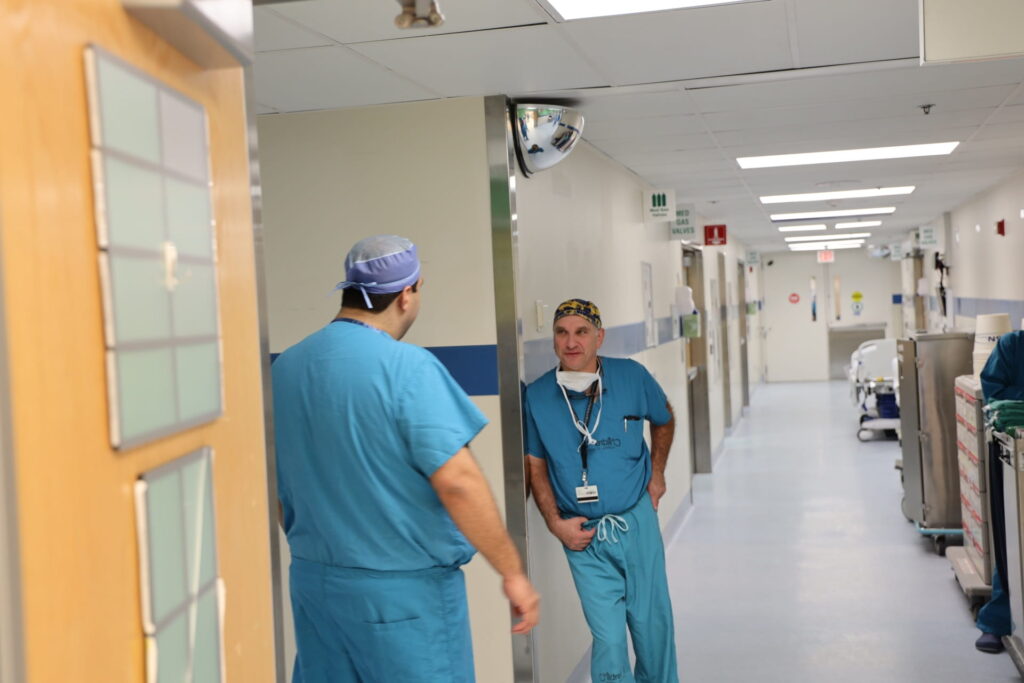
x,y
598,488
381,498
1002,379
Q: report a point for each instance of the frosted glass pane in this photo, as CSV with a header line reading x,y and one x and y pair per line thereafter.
x,y
183,129
166,544
206,652
141,303
145,381
128,111
198,380
172,651
195,301
134,198
208,545
188,216
190,474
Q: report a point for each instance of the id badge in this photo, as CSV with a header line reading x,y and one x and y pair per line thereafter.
x,y
586,494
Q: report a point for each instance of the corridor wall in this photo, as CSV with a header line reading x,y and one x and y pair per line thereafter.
x,y
581,234
988,276
418,170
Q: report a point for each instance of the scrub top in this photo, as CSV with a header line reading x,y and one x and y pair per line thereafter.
x,y
620,464
362,421
1002,378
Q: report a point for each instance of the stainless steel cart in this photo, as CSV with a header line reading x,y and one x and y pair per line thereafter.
x,y
928,367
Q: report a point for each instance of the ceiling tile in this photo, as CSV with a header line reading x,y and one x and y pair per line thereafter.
x,y
682,44
356,21
841,32
630,129
331,78
650,143
274,33
487,62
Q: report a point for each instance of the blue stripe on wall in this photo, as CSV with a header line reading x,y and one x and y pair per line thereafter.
x,y
475,368
972,308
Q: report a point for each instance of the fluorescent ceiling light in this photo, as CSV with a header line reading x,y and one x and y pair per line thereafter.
x,y
819,246
839,194
811,238
857,224
581,9
837,213
803,228
840,155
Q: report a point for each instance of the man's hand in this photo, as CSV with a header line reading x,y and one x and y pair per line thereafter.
x,y
524,600
656,488
571,532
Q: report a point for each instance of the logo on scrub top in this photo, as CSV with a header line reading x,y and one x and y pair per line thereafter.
x,y
610,442
610,677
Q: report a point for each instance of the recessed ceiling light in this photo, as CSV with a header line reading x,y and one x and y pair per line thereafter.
x,y
858,224
803,228
837,194
818,246
811,238
838,213
581,9
840,155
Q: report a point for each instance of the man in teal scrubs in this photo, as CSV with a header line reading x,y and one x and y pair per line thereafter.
x,y
381,498
598,488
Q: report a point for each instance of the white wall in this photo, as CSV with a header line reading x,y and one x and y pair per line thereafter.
x,y
418,170
797,348
988,266
985,276
581,234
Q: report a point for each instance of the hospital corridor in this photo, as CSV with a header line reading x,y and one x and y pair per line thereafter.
x,y
511,341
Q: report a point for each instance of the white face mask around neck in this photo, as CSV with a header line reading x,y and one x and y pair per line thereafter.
x,y
581,381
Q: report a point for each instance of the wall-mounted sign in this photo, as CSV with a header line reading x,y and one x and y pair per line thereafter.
x,y
826,256
896,251
683,227
794,298
753,258
714,236
857,296
927,237
659,206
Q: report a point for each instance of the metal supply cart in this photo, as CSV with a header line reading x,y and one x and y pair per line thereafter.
x,y
972,563
928,367
1011,454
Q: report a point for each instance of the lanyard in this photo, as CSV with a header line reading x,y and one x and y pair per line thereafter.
x,y
584,444
361,324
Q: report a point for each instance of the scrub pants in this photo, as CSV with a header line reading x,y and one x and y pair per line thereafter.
x,y
622,583
364,626
994,616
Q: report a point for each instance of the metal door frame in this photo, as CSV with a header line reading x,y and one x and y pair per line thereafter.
x,y
741,288
699,416
501,164
723,341
12,633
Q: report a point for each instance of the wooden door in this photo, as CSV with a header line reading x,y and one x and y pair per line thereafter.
x,y
78,551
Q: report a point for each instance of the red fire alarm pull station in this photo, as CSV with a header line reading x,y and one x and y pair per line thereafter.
x,y
1001,228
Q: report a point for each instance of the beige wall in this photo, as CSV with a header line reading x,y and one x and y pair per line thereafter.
x,y
417,170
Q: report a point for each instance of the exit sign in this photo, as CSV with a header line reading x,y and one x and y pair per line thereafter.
x,y
714,235
826,256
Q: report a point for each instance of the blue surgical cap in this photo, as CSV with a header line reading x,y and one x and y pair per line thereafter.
x,y
381,264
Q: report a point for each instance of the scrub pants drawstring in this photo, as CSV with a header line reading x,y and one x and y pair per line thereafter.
x,y
609,526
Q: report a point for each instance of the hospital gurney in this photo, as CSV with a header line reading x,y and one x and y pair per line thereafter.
x,y
872,387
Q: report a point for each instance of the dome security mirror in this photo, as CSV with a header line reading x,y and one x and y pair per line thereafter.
x,y
544,134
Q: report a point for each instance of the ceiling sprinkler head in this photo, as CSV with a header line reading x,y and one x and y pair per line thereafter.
x,y
926,108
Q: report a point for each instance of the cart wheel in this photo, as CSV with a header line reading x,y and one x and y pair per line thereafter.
x,y
864,435
976,606
891,434
939,544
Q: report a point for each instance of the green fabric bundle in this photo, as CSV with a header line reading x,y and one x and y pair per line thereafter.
x,y
1006,416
